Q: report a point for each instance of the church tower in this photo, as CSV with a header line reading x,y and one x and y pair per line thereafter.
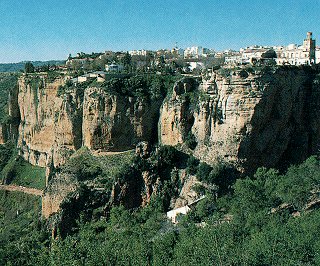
x,y
310,46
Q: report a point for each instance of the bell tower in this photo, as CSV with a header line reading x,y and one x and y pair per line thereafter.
x,y
310,46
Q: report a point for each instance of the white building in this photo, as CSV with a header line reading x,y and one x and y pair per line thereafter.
x,y
138,52
173,214
113,67
293,54
194,65
233,60
193,52
246,55
317,55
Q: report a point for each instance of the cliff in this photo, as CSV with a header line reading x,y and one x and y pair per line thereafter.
x,y
48,131
246,120
270,119
54,124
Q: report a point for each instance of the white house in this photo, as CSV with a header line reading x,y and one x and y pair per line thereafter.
x,y
194,65
113,67
83,78
138,52
174,213
193,52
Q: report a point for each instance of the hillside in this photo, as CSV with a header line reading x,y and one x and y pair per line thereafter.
x,y
18,67
113,157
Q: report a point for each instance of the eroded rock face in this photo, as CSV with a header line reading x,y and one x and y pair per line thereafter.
x,y
262,120
60,187
48,125
53,125
218,117
117,123
285,124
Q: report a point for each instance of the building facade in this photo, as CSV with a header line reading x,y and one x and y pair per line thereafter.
x,y
293,54
305,54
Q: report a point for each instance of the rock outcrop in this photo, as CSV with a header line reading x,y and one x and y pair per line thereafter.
x,y
48,127
271,119
54,124
115,123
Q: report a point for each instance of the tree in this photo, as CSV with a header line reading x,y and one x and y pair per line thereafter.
x,y
126,60
28,67
270,54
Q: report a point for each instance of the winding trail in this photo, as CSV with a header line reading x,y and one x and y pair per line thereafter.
x,y
27,190
106,153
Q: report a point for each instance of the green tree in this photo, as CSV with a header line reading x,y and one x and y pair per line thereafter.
x,y
28,67
126,61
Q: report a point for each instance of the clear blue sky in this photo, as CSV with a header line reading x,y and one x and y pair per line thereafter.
x,y
51,29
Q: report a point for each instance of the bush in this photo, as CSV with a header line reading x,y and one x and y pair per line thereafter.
x,y
243,74
191,141
203,172
192,165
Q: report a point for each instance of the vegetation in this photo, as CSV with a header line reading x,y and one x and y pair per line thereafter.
x,y
19,172
145,86
18,67
29,67
103,169
22,234
267,219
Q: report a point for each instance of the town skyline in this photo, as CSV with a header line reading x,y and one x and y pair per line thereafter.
x,y
45,31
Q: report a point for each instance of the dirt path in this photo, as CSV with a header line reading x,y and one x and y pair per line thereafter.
x,y
27,190
106,153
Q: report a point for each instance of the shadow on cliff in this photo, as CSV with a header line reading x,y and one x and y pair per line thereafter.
x,y
285,127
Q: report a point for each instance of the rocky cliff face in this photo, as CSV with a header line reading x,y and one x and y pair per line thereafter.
x,y
270,119
53,124
260,120
115,123
48,131
285,124
217,115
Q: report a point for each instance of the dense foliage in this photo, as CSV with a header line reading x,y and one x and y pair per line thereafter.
x,y
267,219
147,86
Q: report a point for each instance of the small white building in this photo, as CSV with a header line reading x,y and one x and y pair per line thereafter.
x,y
173,214
138,52
113,67
97,74
233,60
83,78
194,65
193,52
317,55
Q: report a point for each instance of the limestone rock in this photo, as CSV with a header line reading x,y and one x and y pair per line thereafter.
x,y
269,119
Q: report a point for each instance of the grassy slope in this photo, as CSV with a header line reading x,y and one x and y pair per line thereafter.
x,y
18,212
23,173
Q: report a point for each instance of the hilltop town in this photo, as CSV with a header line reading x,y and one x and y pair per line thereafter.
x,y
194,59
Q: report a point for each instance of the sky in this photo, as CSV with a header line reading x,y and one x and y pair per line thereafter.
x,y
53,29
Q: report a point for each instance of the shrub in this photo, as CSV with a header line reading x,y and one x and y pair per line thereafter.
x,y
203,172
192,165
191,141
